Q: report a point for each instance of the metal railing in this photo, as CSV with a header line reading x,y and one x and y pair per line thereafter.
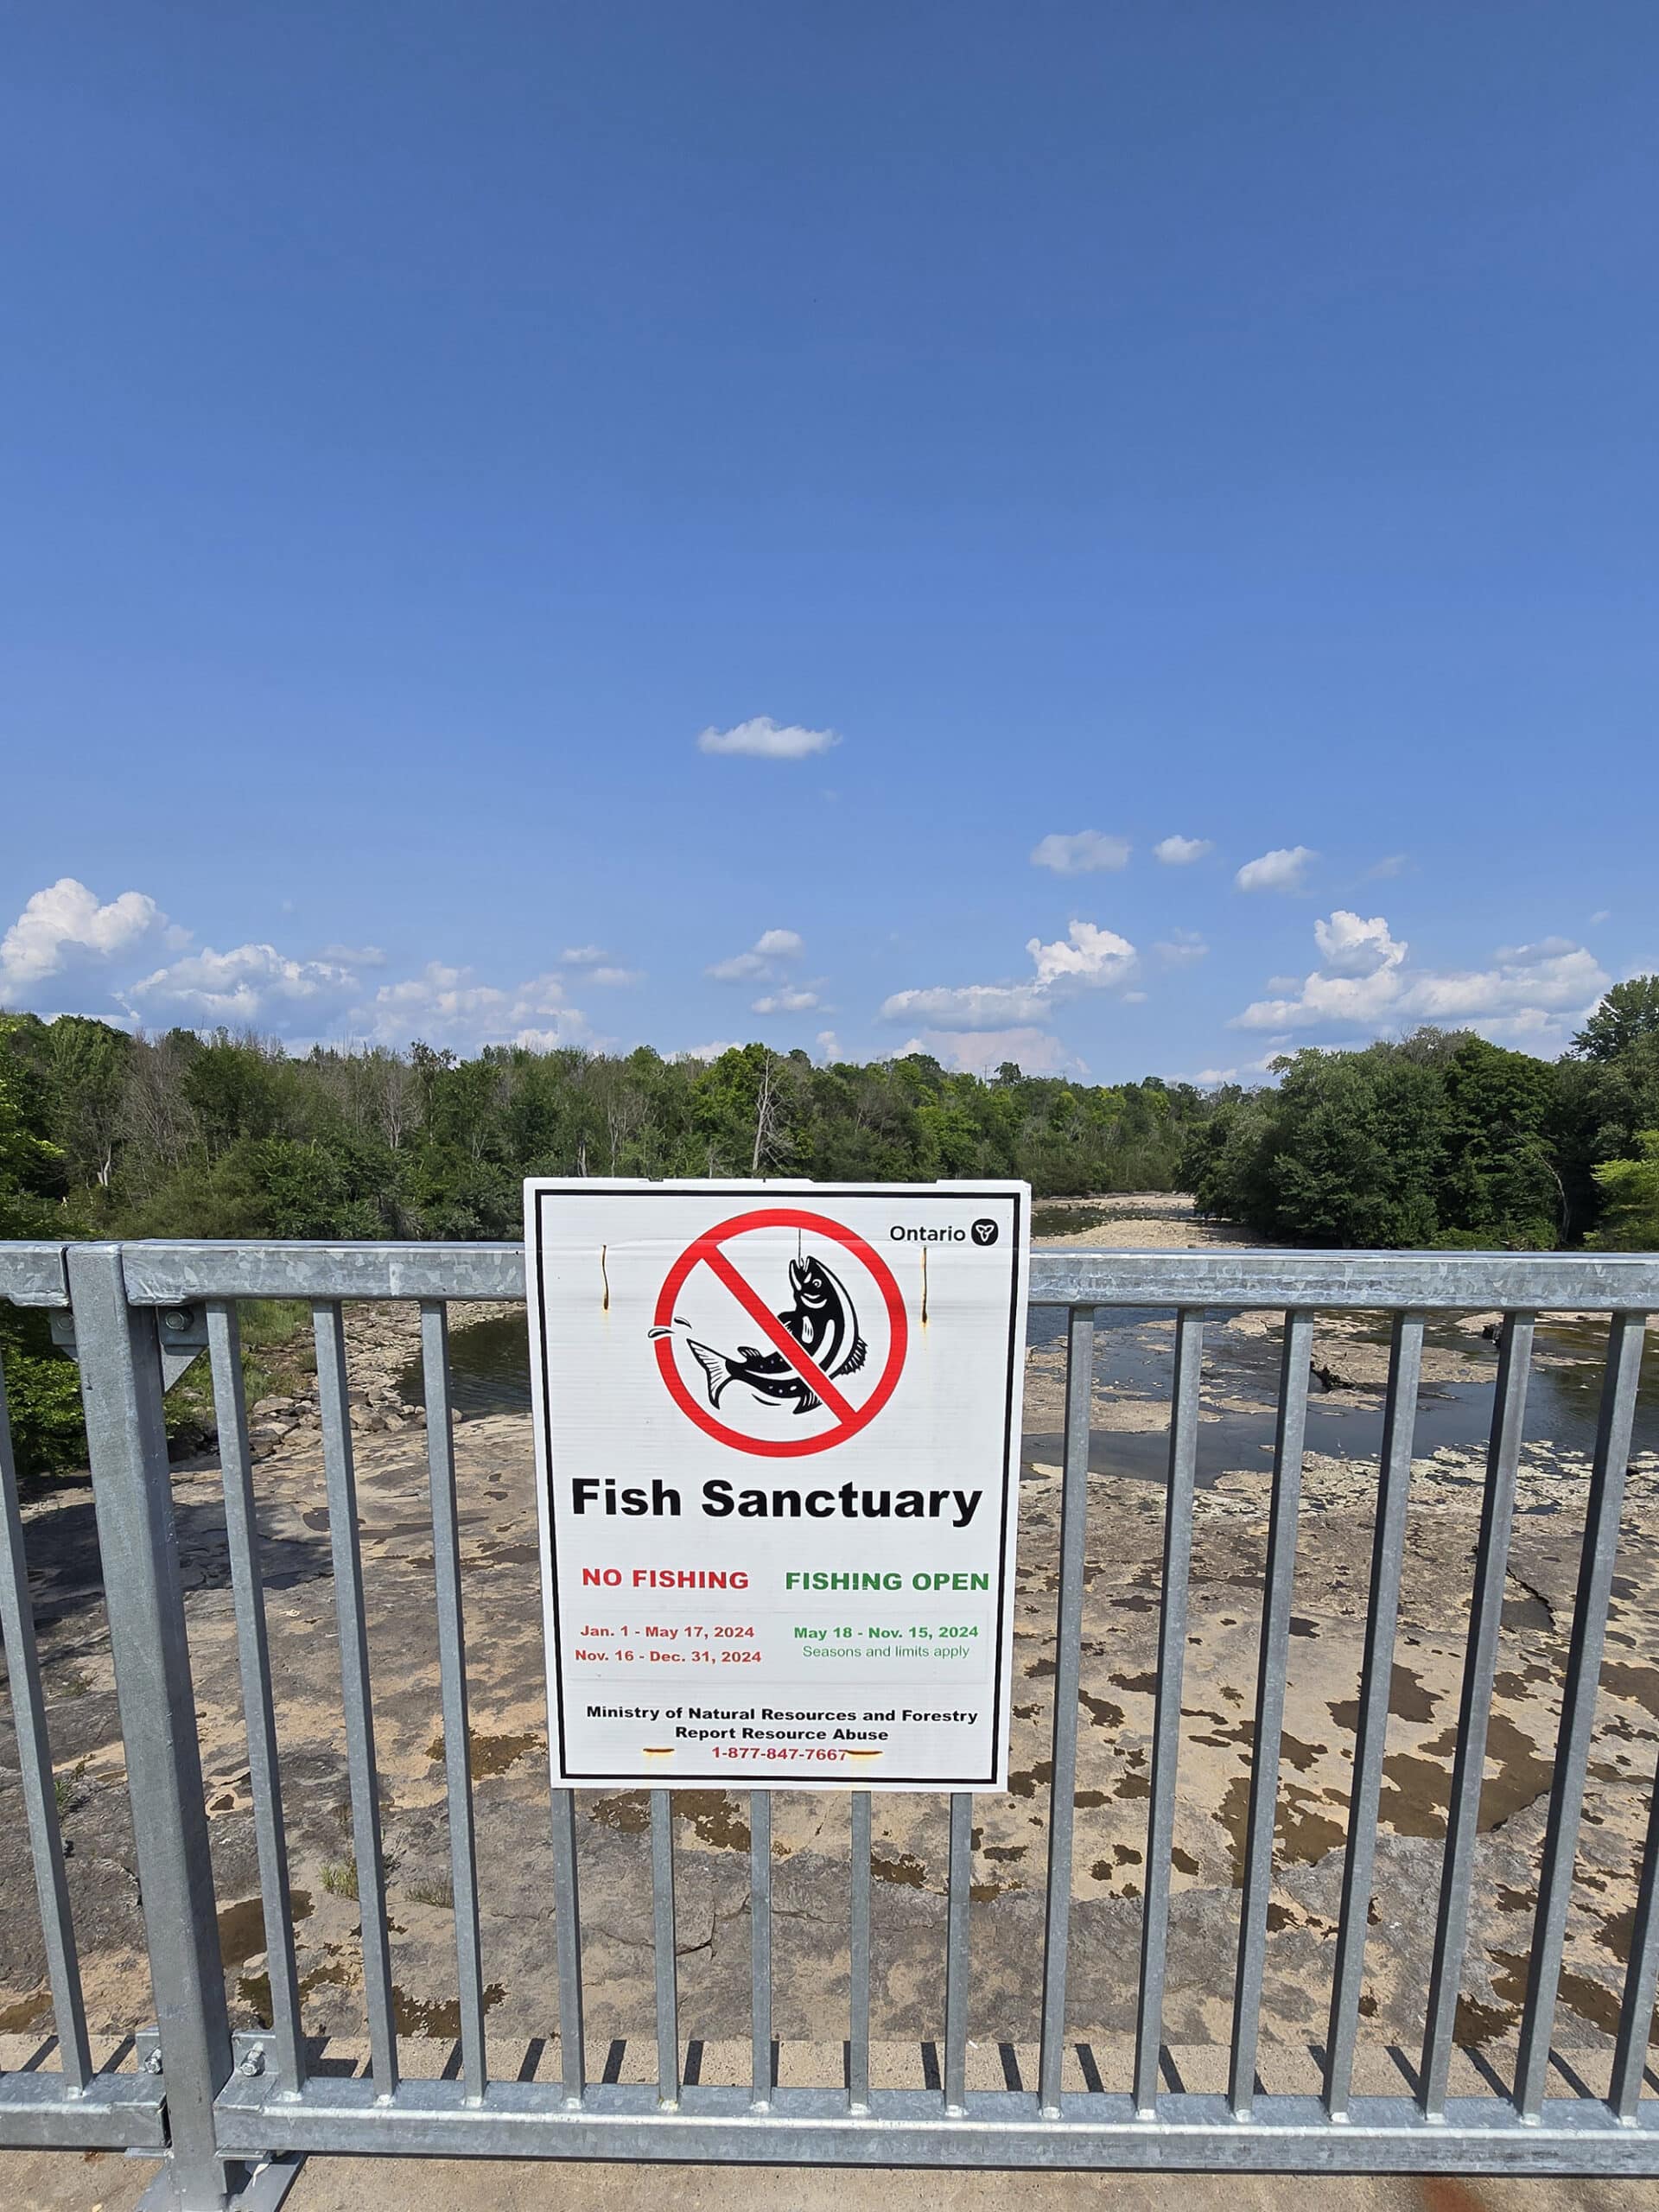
x,y
224,2101
75,2105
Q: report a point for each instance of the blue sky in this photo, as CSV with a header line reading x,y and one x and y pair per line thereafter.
x,y
1073,427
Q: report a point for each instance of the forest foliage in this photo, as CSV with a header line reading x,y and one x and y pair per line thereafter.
x,y
1439,1139
222,1135
1443,1139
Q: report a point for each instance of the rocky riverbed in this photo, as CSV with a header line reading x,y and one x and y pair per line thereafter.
x,y
1125,1537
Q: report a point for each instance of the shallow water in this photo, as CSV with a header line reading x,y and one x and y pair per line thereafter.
x,y
1563,1402
1052,1220
490,1365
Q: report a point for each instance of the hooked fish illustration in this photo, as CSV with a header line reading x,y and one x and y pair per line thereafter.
x,y
823,1322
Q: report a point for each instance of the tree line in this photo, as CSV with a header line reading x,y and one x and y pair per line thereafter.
x,y
223,1136
1439,1139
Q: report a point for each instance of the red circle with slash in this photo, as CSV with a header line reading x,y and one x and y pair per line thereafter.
x,y
708,1250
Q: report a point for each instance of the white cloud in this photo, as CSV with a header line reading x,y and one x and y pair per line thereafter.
x,y
968,1006
1082,854
707,1052
1390,864
1181,852
982,1051
239,986
1180,948
762,739
828,1046
1087,958
1327,999
1527,980
600,967
1283,869
1354,947
1533,955
1359,982
446,1006
1534,991
760,963
1086,954
259,984
786,1002
64,923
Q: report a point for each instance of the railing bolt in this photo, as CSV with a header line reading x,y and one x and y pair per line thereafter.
x,y
253,2063
152,2061
177,1319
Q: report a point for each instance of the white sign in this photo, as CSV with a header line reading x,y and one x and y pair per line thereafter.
x,y
778,1443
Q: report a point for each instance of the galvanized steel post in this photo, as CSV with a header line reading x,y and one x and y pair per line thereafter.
x,y
132,1497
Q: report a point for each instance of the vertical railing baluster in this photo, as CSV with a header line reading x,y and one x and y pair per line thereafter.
x,y
858,2049
1376,1682
253,1655
144,1593
1642,1976
335,1397
663,1939
1068,1641
567,1906
452,1670
1167,1720
1273,1664
1597,1560
957,1898
34,1765
1480,1666
760,1947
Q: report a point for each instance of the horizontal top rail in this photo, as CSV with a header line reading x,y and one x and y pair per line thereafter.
x,y
1624,1282
171,1274
33,1274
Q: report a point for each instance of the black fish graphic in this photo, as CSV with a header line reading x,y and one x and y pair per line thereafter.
x,y
821,1321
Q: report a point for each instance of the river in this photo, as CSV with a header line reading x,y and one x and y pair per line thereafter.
x,y
1133,1359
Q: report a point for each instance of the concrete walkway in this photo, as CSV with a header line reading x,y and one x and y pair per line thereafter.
x,y
104,2182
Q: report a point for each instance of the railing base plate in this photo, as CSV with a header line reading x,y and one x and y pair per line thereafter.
x,y
267,2185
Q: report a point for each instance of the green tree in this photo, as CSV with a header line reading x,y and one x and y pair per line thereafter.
x,y
1353,1149
86,1065
1344,1152
233,1085
42,1388
1629,1013
28,1162
1630,1189
1496,1184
